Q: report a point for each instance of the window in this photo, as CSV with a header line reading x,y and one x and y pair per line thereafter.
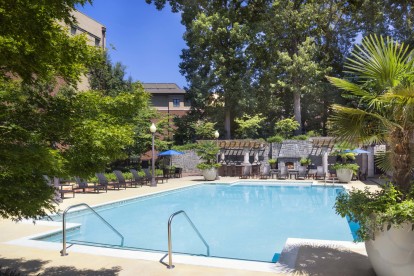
x,y
176,102
97,41
73,30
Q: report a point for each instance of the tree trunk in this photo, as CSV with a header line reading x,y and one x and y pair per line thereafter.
x,y
227,126
401,159
297,111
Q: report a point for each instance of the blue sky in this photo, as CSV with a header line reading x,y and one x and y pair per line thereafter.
x,y
147,41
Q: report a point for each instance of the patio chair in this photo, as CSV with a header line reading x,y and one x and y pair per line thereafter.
x,y
121,179
148,175
362,175
245,172
284,173
103,181
137,178
320,174
60,188
266,172
302,172
83,185
178,173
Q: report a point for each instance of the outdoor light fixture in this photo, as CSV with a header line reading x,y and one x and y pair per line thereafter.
x,y
216,134
153,129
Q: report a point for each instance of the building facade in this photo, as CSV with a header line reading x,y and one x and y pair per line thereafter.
x,y
168,98
95,33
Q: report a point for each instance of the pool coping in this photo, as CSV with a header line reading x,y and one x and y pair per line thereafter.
x,y
285,264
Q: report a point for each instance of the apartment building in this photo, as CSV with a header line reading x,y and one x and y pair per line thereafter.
x,y
95,33
168,98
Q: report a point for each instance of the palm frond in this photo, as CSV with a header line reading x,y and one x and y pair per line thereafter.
x,y
349,86
356,126
383,61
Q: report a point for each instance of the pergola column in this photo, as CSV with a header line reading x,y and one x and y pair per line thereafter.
x,y
324,153
370,157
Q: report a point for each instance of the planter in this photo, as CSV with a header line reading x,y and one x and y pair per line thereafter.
x,y
392,251
344,175
210,174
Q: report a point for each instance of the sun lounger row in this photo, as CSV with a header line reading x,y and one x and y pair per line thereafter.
x,y
66,187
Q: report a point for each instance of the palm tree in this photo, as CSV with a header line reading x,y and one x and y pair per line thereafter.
x,y
383,71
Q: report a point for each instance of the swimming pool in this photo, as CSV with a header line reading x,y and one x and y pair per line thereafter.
x,y
247,221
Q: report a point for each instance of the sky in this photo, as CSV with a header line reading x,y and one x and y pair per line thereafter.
x,y
147,41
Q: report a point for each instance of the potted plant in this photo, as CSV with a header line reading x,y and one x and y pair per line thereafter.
x,y
384,91
305,161
272,163
345,171
344,167
207,151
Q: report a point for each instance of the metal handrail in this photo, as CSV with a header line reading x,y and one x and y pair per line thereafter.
x,y
170,265
63,252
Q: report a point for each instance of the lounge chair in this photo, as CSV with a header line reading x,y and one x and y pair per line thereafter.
x,y
245,172
138,179
266,172
103,181
284,173
148,175
83,185
320,174
60,188
302,172
121,179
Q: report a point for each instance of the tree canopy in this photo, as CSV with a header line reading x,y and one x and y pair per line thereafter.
x,y
270,56
50,129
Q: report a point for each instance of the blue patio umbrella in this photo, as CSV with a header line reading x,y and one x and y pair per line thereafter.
x,y
357,151
170,153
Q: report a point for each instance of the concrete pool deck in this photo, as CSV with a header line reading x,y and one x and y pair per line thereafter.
x,y
310,257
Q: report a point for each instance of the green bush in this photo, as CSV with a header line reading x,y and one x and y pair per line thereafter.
x,y
275,139
272,161
351,166
207,151
300,137
375,210
110,176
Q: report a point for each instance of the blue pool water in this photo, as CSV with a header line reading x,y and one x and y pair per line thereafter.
x,y
244,221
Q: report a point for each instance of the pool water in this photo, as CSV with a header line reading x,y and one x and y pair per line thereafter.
x,y
243,221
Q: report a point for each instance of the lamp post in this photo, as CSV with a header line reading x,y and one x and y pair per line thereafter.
x,y
216,135
153,129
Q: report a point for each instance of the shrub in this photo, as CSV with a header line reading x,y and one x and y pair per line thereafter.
x,y
275,139
300,137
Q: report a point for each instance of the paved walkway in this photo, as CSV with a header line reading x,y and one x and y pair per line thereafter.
x,y
312,259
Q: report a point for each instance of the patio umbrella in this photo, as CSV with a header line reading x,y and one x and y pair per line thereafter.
x,y
170,153
357,151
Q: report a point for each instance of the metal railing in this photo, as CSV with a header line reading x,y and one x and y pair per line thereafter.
x,y
63,251
170,265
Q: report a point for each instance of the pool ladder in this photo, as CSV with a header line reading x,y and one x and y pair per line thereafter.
x,y
63,251
170,265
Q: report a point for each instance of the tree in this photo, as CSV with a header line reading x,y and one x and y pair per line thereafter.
x,y
215,61
270,55
286,126
34,45
105,76
204,129
249,126
302,74
46,131
384,112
